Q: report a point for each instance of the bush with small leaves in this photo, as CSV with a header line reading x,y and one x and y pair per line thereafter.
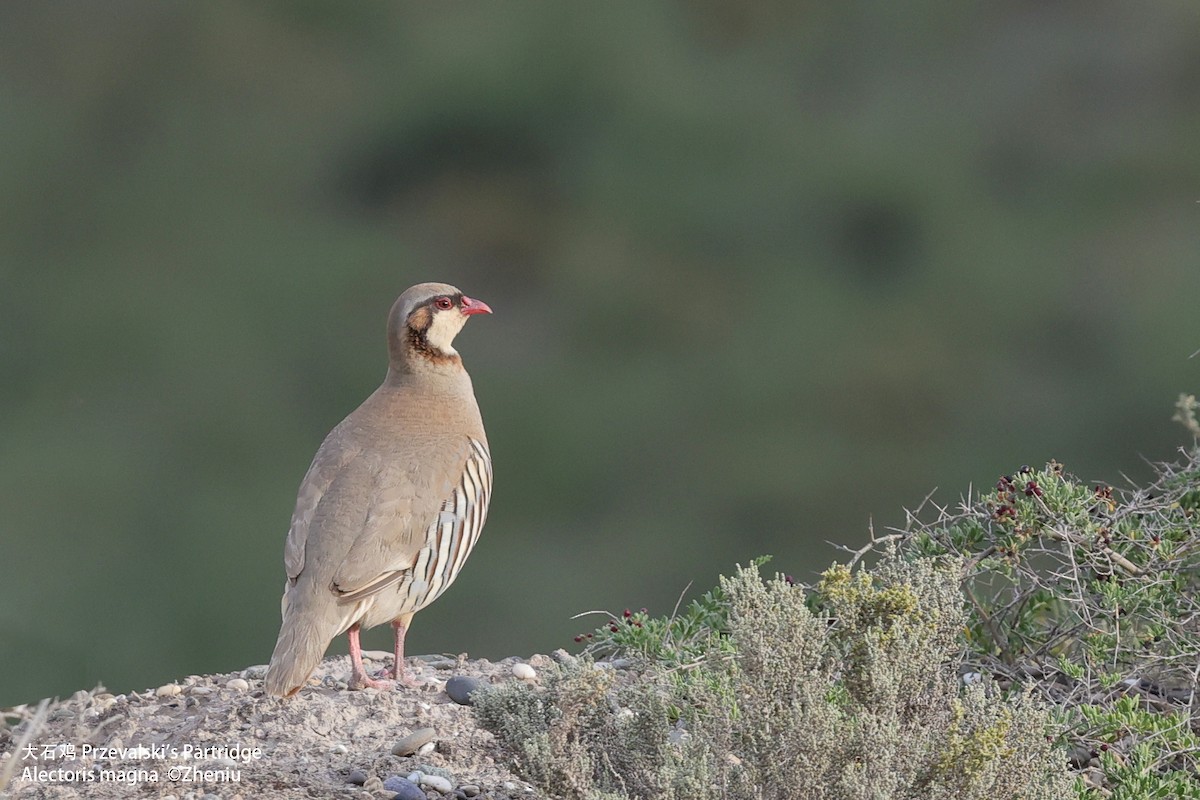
x,y
859,698
1078,597
1090,597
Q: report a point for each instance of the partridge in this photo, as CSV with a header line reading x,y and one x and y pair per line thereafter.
x,y
394,500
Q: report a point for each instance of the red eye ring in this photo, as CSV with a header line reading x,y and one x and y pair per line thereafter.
x,y
444,303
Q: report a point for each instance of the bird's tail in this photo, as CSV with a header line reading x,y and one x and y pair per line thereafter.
x,y
309,625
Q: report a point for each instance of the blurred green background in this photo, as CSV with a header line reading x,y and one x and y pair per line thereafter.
x,y
762,272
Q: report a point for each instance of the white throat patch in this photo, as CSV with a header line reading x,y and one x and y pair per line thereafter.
x,y
442,330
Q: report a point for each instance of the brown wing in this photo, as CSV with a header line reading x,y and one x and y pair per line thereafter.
x,y
417,515
330,462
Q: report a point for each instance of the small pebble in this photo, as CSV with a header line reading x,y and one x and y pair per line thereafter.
x,y
442,663
437,783
524,672
562,656
168,690
238,684
357,777
414,741
404,788
460,688
426,748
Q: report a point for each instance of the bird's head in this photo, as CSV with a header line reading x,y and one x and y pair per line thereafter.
x,y
423,323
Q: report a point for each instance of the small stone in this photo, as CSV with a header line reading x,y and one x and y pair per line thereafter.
x,y
460,688
238,684
357,777
524,672
414,741
437,783
438,662
404,788
333,682
562,657
426,748
167,690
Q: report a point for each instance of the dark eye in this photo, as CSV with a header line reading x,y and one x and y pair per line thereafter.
x,y
444,303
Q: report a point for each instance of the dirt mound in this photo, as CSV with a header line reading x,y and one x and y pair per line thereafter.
x,y
220,737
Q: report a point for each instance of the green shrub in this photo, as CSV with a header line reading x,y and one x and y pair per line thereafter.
x,y
1070,610
1087,596
859,699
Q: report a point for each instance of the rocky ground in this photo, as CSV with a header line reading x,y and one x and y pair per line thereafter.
x,y
219,737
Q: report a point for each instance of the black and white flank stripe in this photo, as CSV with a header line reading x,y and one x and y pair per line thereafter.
x,y
453,533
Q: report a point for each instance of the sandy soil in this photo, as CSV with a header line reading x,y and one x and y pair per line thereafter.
x,y
219,737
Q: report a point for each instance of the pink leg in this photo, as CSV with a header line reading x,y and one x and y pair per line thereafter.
x,y
398,670
358,677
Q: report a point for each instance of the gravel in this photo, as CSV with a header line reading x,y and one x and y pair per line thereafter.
x,y
320,743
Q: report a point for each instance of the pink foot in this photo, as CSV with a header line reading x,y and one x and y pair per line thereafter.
x,y
358,676
400,673
365,682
